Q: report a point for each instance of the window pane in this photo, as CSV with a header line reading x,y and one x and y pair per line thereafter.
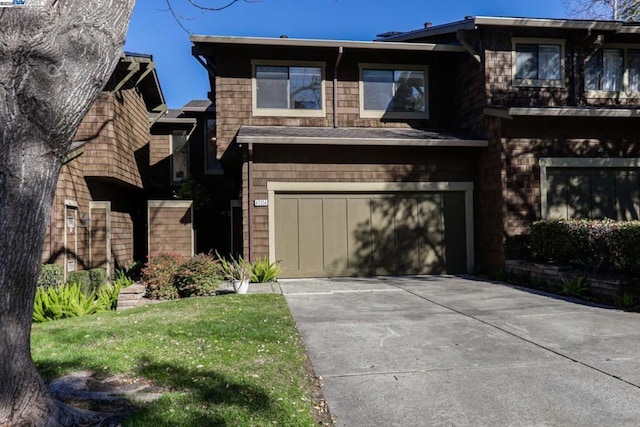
x,y
306,88
179,158
633,57
272,84
593,72
612,70
378,89
409,91
526,61
549,62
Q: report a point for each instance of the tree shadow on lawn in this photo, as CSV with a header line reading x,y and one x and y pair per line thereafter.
x,y
210,389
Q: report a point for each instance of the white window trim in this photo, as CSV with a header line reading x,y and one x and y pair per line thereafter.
x,y
379,114
537,82
274,187
287,112
624,93
186,173
577,162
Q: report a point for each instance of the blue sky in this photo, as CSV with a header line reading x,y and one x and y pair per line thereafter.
x,y
154,31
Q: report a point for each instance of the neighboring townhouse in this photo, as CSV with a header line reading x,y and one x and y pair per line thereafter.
x,y
558,102
99,211
429,151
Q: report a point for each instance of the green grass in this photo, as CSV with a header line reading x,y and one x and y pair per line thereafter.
x,y
226,360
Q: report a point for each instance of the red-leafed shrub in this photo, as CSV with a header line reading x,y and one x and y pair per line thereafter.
x,y
159,274
198,276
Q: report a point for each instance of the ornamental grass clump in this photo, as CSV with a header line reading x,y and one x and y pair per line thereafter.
x,y
263,271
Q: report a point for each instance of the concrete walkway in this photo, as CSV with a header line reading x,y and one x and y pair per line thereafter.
x,y
450,351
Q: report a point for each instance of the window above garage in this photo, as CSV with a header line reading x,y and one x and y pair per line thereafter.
x,y
396,92
538,62
288,89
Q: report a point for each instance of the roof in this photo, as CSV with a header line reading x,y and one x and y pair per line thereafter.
x,y
473,22
355,136
198,106
175,116
139,70
346,44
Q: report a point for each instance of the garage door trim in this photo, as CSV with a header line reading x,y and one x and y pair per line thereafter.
x,y
274,187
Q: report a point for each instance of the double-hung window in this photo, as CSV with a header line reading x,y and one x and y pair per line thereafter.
x,y
282,89
538,62
179,156
394,91
613,69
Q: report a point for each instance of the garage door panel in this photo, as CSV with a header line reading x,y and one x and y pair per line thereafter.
x,y
383,239
579,196
310,232
335,234
603,190
432,235
286,232
408,228
628,193
366,234
359,234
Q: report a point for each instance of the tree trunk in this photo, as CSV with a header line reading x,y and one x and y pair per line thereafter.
x,y
54,61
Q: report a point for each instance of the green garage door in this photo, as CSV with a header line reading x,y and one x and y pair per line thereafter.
x,y
319,235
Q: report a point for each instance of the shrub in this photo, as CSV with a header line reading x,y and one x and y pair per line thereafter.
x,y
575,288
64,301
81,277
51,275
158,275
97,278
262,271
198,276
590,243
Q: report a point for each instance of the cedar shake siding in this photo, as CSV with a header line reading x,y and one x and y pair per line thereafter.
x,y
171,227
98,216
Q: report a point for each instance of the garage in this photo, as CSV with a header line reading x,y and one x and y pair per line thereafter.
x,y
319,234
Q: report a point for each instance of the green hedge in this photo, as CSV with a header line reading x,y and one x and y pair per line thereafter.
x,y
595,244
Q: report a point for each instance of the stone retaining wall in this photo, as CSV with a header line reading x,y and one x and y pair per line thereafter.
x,y
608,287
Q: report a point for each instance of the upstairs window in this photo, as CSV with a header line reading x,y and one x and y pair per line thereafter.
x,y
179,156
613,70
538,63
288,90
393,92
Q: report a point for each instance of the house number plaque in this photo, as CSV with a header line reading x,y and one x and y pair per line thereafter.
x,y
260,202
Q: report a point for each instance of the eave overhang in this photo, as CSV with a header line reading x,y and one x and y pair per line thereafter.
x,y
317,43
590,112
284,135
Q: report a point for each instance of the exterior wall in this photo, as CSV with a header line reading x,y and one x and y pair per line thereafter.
x,y
111,168
73,188
335,164
170,227
469,96
233,89
117,129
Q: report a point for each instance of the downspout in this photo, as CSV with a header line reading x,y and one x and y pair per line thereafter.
x,y
335,87
249,202
52,231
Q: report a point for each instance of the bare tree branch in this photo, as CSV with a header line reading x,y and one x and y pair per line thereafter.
x,y
180,18
619,10
176,17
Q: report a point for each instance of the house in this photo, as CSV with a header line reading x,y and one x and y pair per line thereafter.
x,y
99,214
428,151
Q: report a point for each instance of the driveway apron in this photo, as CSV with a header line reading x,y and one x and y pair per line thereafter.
x,y
460,351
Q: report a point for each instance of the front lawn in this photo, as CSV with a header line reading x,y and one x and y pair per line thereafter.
x,y
226,360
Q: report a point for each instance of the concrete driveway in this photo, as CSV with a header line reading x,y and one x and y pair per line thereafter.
x,y
451,351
